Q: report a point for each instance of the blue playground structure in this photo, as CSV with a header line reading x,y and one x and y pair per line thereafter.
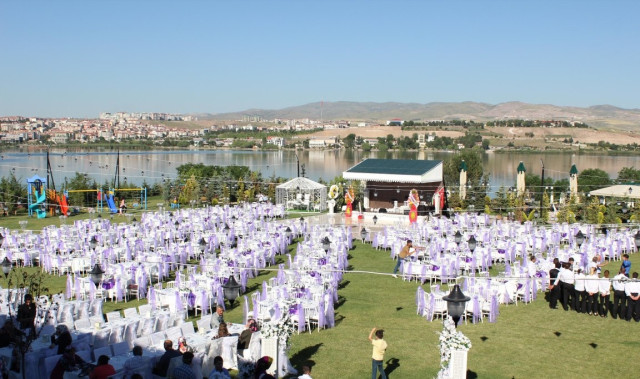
x,y
37,196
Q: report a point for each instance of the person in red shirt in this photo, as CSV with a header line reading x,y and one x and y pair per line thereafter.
x,y
103,370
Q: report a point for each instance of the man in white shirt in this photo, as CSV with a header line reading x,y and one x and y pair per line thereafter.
x,y
566,280
580,293
619,297
592,287
605,291
632,290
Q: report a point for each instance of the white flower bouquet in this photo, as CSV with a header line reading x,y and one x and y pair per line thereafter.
x,y
450,340
281,329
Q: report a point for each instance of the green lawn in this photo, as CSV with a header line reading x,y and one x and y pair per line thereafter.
x,y
528,341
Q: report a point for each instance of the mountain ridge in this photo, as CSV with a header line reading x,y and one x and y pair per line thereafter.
x,y
601,116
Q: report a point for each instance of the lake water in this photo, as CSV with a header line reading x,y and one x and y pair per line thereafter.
x,y
326,164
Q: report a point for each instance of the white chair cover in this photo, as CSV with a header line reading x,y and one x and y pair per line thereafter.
x,y
101,338
120,348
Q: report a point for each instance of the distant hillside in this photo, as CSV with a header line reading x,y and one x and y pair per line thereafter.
x,y
601,116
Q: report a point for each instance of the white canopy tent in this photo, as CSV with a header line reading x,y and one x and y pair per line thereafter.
x,y
302,193
630,193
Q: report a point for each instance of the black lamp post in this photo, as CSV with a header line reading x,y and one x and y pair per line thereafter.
x,y
456,301
603,229
326,244
579,238
287,232
363,234
472,243
6,267
375,219
636,239
458,237
96,274
231,290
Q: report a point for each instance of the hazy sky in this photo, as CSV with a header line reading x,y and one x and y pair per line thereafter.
x,y
78,58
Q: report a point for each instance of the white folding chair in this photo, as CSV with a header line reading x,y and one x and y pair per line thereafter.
x,y
157,339
105,350
50,363
130,313
187,328
144,341
174,333
130,333
85,355
115,315
101,338
116,335
144,310
84,323
203,325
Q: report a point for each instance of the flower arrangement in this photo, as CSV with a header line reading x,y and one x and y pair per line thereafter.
x,y
281,329
450,340
349,196
414,198
333,192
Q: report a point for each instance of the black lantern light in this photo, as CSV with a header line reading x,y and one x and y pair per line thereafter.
x,y
456,301
287,232
202,244
301,220
231,289
603,229
326,243
6,267
96,274
226,228
93,242
472,243
375,219
458,237
363,234
176,223
579,238
536,214
624,208
636,238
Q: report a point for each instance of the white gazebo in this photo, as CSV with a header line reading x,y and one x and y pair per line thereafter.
x,y
302,193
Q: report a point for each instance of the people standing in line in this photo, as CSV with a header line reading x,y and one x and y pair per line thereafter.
x,y
566,281
554,289
605,292
580,292
632,290
379,348
619,297
406,251
626,264
592,288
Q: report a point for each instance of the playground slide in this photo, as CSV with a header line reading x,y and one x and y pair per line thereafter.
x,y
39,200
64,206
111,204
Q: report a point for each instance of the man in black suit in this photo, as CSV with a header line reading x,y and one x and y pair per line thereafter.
x,y
554,290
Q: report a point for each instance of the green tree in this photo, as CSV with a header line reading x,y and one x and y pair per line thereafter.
x,y
349,141
473,159
628,174
592,179
12,192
